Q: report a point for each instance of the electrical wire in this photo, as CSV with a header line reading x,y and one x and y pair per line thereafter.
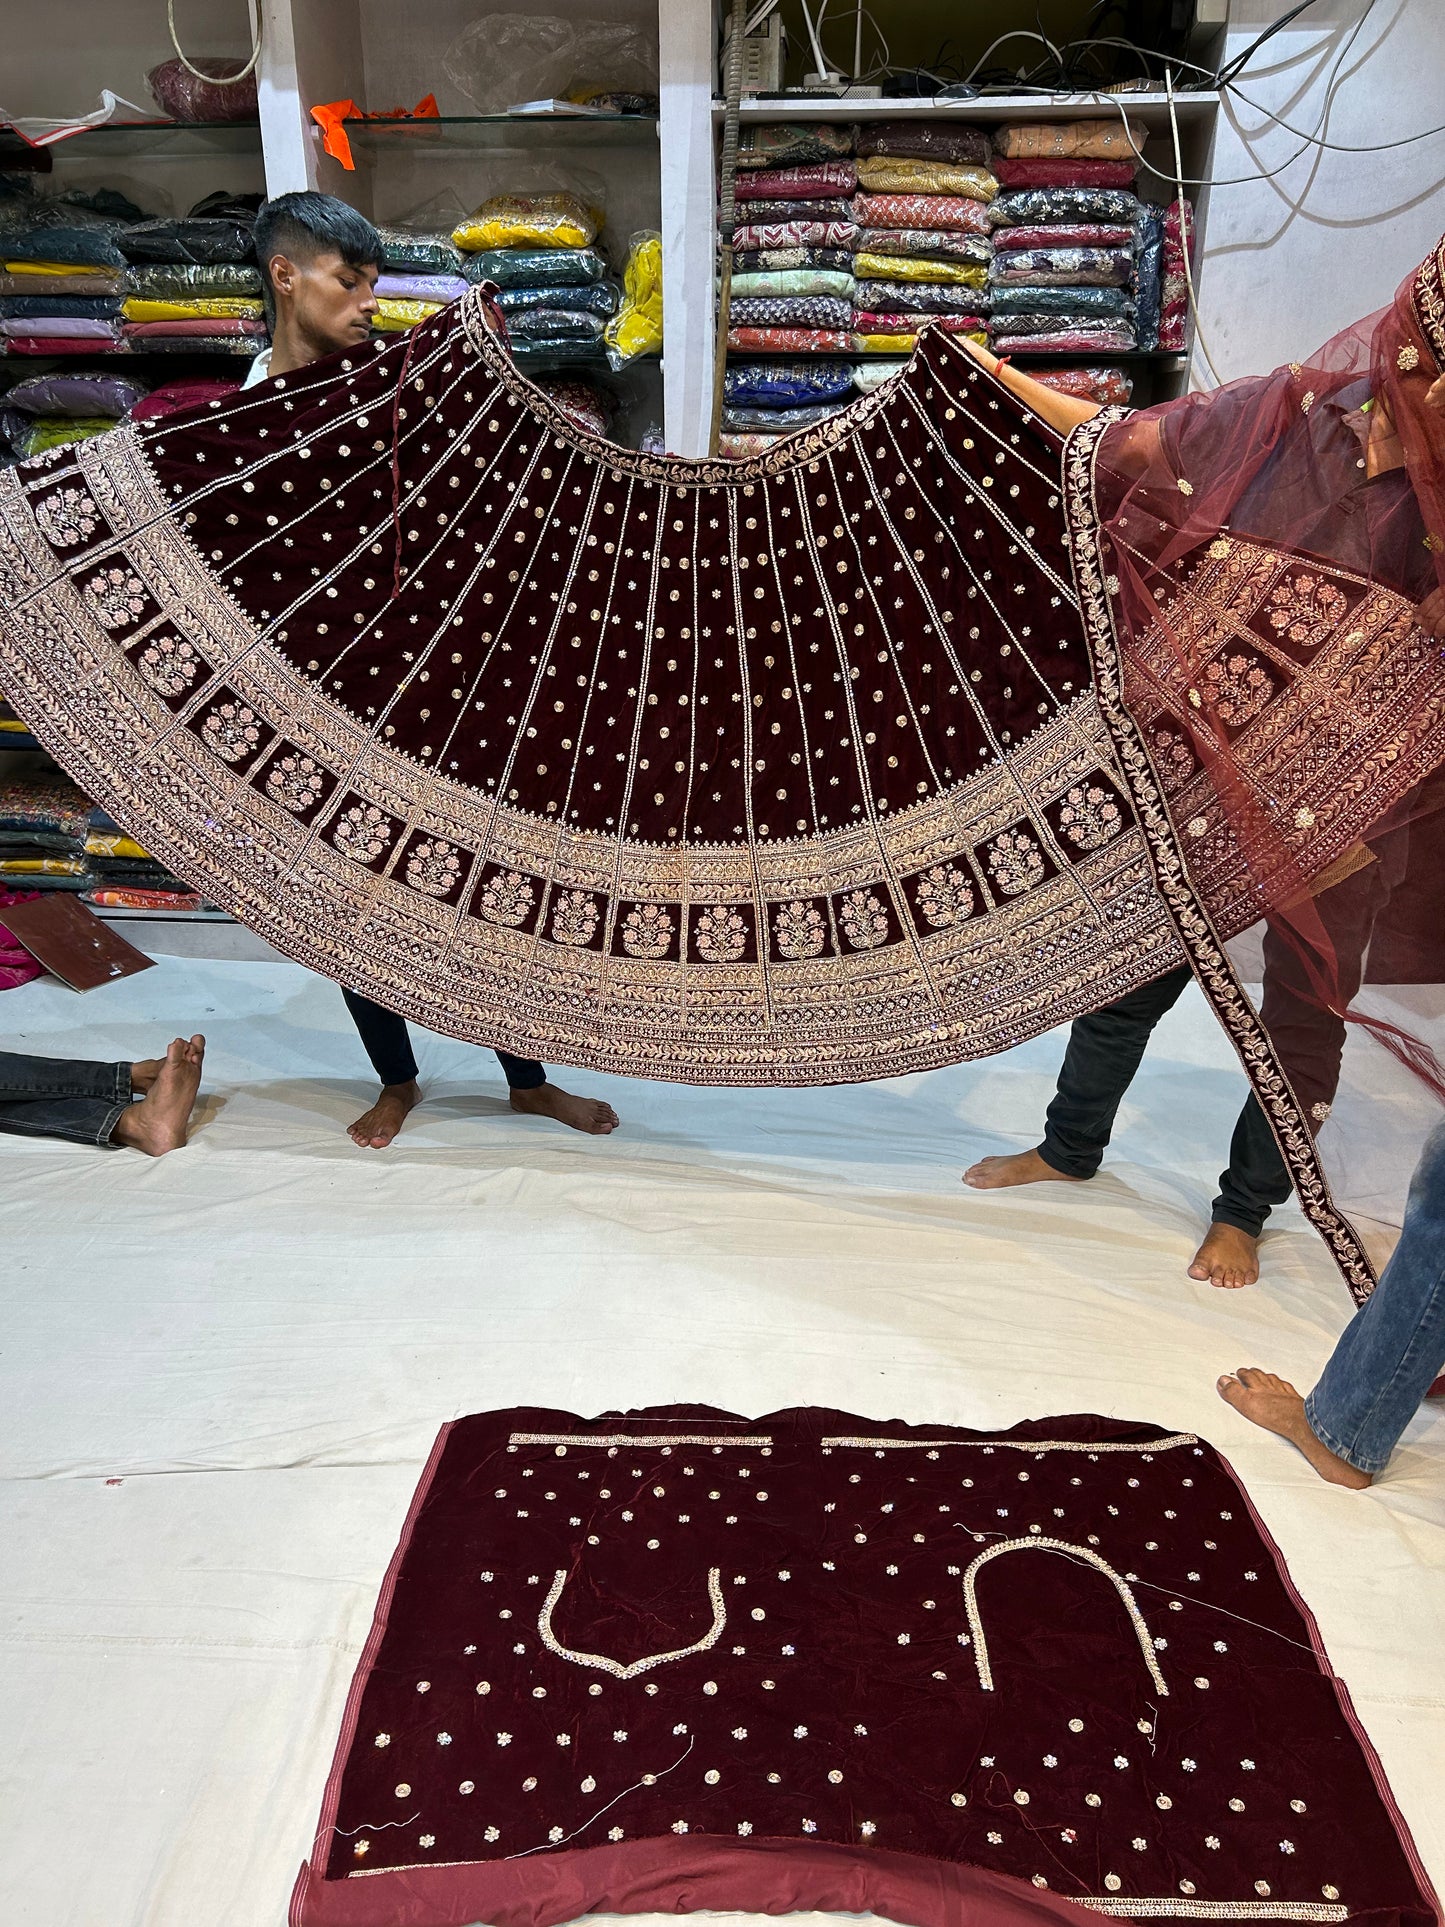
x,y
217,80
1185,248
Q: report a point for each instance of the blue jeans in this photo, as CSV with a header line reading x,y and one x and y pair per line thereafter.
x,y
1394,1347
62,1097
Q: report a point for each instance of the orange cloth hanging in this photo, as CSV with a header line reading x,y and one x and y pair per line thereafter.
x,y
333,114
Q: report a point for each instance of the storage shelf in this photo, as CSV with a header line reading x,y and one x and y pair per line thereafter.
x,y
1152,109
453,131
165,139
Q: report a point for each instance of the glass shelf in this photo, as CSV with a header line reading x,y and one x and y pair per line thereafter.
x,y
165,139
484,130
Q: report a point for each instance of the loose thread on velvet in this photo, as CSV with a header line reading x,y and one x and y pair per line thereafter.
x,y
547,1844
380,1827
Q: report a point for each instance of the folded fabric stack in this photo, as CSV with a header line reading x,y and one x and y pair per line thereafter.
x,y
421,271
1076,254
70,405
117,864
923,250
63,272
1174,293
792,286
1103,384
44,822
554,289
194,287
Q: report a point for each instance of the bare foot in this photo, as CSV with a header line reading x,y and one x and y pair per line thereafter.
x,y
587,1114
1274,1403
1228,1258
1023,1167
157,1124
145,1073
375,1128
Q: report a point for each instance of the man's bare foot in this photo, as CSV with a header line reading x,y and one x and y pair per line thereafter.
x,y
587,1114
375,1128
1023,1167
1274,1403
145,1073
1228,1258
157,1124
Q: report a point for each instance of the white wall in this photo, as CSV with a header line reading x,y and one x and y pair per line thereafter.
x,y
1291,260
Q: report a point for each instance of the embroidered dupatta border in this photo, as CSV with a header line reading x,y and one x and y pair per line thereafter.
x,y
1205,951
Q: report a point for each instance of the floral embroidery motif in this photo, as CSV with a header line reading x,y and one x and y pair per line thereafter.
x,y
116,597
295,783
1090,817
647,931
1015,863
1305,608
363,832
508,899
1174,756
944,896
67,517
232,730
1239,687
720,934
864,920
1408,358
170,665
799,930
434,867
574,918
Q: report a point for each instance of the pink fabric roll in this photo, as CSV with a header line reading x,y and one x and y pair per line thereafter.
x,y
1064,173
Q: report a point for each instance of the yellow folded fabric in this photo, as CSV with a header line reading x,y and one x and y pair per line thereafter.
x,y
41,866
900,267
110,843
905,344
884,174
53,267
393,316
204,308
529,221
15,726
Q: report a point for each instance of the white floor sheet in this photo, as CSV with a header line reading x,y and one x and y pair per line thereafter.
x,y
222,1373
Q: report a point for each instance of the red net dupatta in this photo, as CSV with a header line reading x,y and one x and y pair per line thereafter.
x,y
1259,571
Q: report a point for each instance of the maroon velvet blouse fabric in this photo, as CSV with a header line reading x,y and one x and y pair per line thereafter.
x,y
678,1659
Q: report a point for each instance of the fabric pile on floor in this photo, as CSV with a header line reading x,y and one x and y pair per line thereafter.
x,y
924,191
194,285
555,291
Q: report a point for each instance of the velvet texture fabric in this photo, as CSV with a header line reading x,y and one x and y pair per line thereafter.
x,y
1067,1657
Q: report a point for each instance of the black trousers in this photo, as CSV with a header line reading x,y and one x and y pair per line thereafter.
x,y
388,1045
62,1097
1105,1049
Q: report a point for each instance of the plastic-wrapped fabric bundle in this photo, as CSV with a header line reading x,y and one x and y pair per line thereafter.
x,y
774,213
1080,234
537,267
1076,173
925,140
57,431
51,346
194,391
142,333
799,234
421,287
1112,387
75,307
1066,300
1149,277
60,327
394,317
599,297
203,344
210,307
1066,267
789,283
867,376
782,260
786,383
412,251
791,144
1094,140
201,240
928,244
904,267
920,297
1071,320
534,325
801,311
792,341
825,181
1081,339
560,220
869,326
586,402
881,174
780,421
963,214
636,328
1054,206
83,395
741,448
62,249
89,283
189,95
1174,303
188,280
